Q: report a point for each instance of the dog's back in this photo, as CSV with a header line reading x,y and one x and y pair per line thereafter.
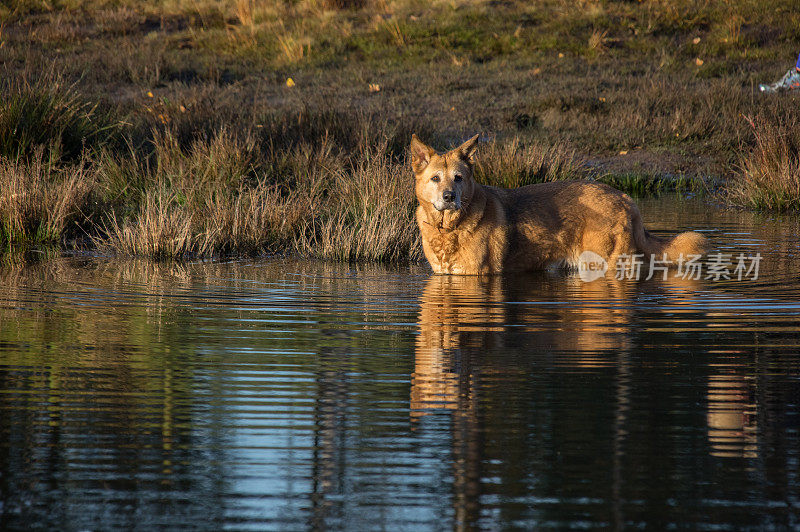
x,y
555,222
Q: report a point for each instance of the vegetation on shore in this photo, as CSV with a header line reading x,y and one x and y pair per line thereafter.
x,y
328,185
769,174
195,129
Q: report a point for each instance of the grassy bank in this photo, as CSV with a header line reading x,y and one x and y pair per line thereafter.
x,y
326,184
179,128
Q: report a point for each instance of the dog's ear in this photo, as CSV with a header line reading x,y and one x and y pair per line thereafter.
x,y
467,150
420,154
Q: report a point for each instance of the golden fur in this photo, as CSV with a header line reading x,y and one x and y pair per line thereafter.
x,y
469,228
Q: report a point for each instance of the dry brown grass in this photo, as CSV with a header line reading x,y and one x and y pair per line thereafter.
x,y
39,201
368,214
244,13
733,29
294,49
395,31
160,229
250,220
41,112
201,203
769,176
512,164
598,41
203,200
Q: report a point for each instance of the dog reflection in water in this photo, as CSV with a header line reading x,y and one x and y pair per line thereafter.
x,y
732,427
465,325
463,317
455,312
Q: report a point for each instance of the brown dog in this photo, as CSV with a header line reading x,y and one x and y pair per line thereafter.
x,y
469,228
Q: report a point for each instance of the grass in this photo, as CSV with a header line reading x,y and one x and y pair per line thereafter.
x,y
512,164
369,215
769,176
47,113
641,184
42,203
225,197
188,141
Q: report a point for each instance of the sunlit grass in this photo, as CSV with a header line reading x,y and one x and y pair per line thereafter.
x,y
769,175
511,164
41,202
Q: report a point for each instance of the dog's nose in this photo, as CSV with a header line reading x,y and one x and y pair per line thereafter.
x,y
448,195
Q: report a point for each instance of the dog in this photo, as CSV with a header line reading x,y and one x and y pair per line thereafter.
x,y
473,229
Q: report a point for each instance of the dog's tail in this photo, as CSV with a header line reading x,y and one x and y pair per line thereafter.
x,y
683,244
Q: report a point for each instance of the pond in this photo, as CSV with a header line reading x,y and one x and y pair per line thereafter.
x,y
289,395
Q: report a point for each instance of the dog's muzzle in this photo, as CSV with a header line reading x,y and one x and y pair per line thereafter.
x,y
450,201
447,205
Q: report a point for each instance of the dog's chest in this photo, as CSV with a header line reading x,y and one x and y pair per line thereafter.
x,y
445,247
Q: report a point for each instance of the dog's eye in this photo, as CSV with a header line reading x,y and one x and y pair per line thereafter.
x,y
435,179
457,178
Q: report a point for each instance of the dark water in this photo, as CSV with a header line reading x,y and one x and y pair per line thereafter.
x,y
288,395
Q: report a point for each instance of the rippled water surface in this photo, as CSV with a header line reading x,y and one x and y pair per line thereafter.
x,y
295,395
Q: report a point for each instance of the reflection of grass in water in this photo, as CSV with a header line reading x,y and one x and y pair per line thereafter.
x,y
140,367
139,370
137,337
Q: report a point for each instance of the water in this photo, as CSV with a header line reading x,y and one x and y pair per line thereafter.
x,y
286,395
